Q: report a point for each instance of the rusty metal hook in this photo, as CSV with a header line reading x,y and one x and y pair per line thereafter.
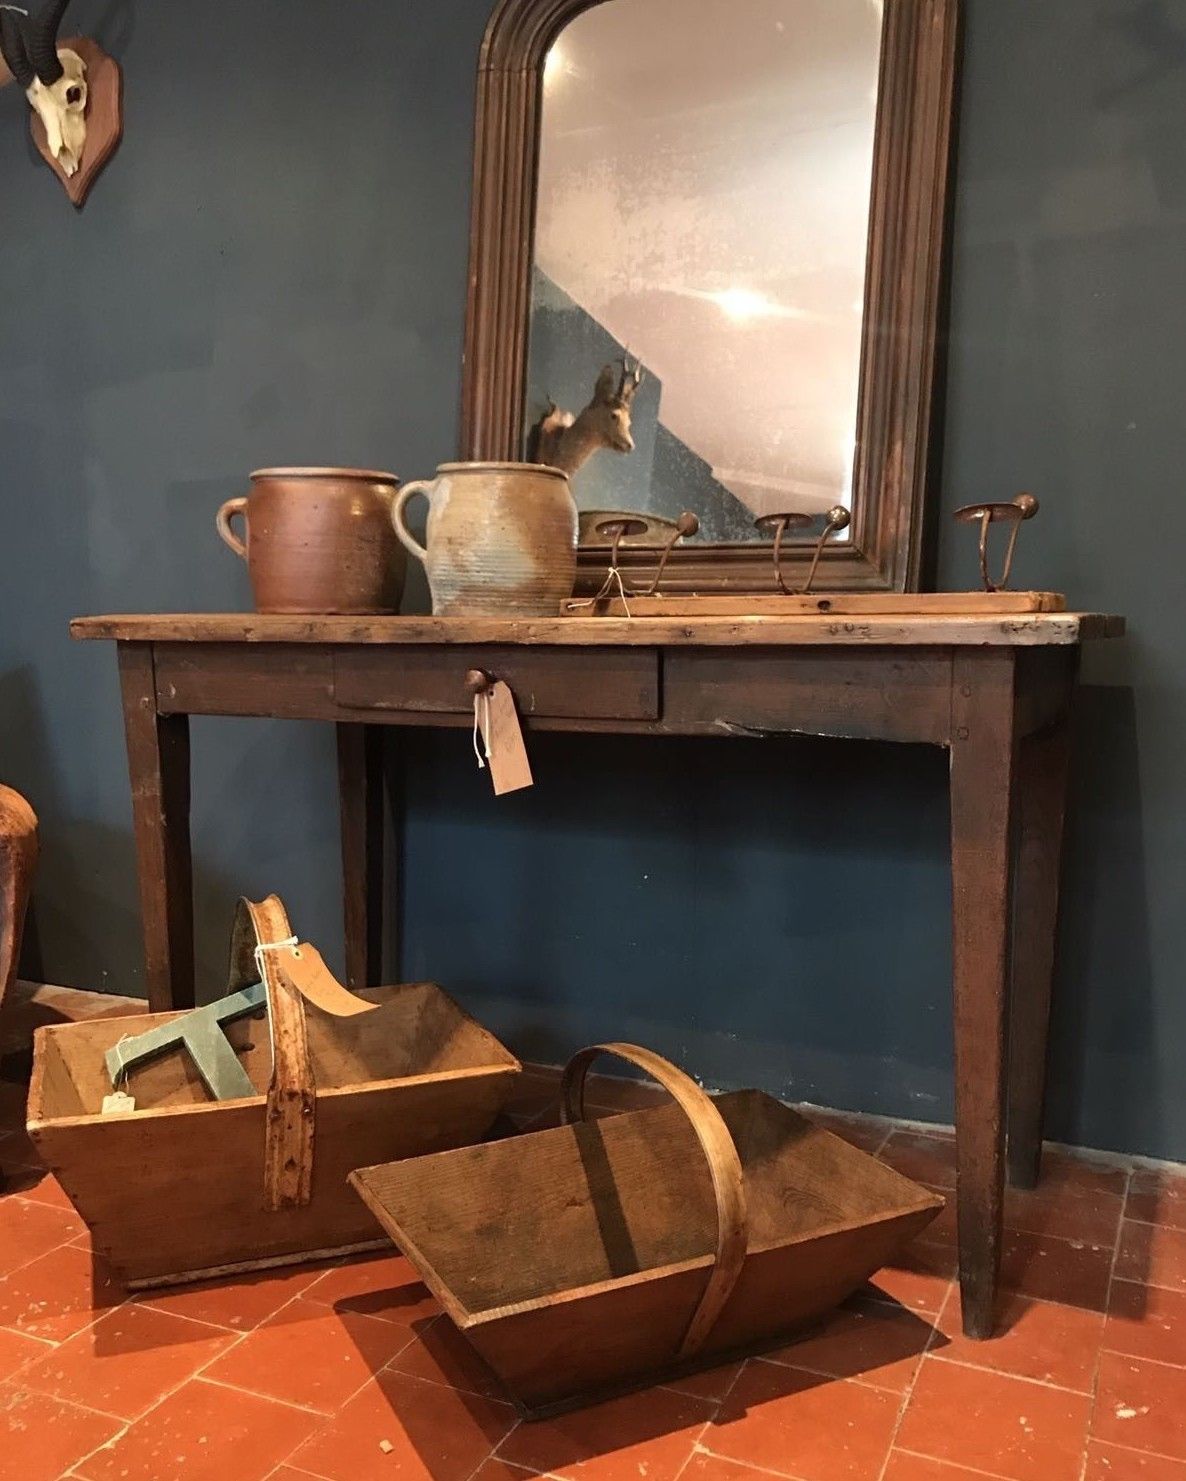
x,y
836,519
1023,507
686,526
619,529
621,526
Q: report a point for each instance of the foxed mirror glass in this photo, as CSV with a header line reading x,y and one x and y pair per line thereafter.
x,y
705,171
706,272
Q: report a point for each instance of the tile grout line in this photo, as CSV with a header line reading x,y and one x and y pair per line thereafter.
x,y
177,1387
878,1297
66,1244
240,1337
199,1376
1095,1382
701,1449
302,1470
387,1368
742,1365
909,1394
76,1467
970,1470
68,1403
119,1418
305,1408
251,1393
328,1419
125,1425
194,1321
1136,1357
494,1455
1154,1224
1132,1450
694,1448
1058,1388
46,1342
858,1380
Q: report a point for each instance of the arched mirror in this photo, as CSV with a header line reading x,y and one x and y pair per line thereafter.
x,y
706,268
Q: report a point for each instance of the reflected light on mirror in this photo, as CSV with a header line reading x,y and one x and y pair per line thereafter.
x,y
848,453
743,304
555,65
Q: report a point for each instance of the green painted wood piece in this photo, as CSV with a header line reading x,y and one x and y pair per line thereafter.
x,y
201,1035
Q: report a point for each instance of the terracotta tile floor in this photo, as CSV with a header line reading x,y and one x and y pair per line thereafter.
x,y
346,1372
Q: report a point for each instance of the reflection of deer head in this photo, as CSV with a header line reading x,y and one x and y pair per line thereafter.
x,y
566,442
54,81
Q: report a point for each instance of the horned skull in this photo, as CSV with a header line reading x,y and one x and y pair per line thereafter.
x,y
54,80
62,109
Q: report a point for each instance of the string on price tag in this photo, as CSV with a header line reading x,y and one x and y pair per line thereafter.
x,y
498,736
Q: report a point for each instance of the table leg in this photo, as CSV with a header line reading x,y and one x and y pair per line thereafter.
x,y
360,787
1043,766
158,762
982,782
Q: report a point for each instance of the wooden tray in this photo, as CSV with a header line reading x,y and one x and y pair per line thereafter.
x,y
607,1254
843,604
189,1187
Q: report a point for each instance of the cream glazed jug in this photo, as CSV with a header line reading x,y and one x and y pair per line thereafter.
x,y
501,539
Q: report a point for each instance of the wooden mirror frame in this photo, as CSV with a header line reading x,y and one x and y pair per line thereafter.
x,y
904,290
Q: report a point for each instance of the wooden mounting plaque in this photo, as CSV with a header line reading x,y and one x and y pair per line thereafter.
x,y
104,119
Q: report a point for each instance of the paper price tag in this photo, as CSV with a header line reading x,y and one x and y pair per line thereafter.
x,y
306,971
502,739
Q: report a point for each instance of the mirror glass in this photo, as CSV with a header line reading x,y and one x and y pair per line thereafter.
x,y
703,210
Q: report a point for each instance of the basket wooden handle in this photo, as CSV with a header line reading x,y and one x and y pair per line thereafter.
x,y
724,1164
263,946
256,952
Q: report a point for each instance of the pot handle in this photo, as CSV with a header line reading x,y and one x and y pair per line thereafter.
x,y
728,1180
222,523
423,486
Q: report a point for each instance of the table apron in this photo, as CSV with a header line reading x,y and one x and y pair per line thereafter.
x,y
885,694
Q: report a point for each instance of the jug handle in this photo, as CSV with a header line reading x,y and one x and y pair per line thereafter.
x,y
222,522
423,486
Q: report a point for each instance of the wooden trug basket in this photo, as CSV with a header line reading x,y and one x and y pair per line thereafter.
x,y
600,1255
189,1187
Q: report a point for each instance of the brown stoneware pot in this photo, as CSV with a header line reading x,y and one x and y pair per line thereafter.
x,y
319,540
502,539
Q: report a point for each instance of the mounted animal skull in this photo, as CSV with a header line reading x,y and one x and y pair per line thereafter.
x,y
54,81
564,441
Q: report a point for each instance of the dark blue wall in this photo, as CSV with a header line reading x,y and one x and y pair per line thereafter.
x,y
273,270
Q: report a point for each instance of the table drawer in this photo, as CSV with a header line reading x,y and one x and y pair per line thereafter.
x,y
564,683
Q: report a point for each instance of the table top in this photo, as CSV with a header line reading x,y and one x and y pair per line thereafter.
x,y
1026,630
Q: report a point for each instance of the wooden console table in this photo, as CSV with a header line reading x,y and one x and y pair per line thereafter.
x,y
995,691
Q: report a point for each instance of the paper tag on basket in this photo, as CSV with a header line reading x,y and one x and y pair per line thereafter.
x,y
118,1104
502,739
307,972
